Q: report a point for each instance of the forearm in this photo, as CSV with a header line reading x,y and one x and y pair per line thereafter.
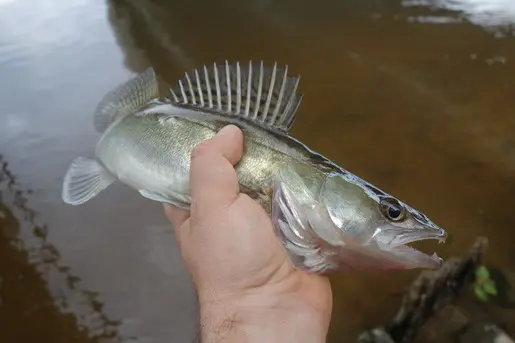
x,y
262,319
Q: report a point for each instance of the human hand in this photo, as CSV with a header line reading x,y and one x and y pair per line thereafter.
x,y
248,289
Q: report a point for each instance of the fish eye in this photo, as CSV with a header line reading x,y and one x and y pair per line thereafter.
x,y
393,209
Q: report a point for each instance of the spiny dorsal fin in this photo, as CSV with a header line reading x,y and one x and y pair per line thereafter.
x,y
265,95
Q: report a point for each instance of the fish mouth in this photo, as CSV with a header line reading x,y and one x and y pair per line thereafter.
x,y
411,257
411,236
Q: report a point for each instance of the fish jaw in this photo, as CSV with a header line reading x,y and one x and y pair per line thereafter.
x,y
353,255
391,244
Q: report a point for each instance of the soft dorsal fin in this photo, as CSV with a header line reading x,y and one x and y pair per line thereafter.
x,y
126,98
265,95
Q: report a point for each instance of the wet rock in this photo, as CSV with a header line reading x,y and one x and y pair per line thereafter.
x,y
377,335
484,333
444,326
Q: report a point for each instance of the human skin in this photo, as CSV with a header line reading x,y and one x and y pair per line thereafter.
x,y
248,290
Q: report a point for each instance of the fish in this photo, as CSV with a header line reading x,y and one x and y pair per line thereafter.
x,y
328,219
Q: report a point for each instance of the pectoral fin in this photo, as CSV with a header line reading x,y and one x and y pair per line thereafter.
x,y
84,179
292,226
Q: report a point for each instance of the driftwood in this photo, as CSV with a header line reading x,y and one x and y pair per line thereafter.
x,y
430,292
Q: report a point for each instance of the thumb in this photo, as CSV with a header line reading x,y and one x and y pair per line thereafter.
x,y
213,180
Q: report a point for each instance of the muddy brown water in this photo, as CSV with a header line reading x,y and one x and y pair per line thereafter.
x,y
416,99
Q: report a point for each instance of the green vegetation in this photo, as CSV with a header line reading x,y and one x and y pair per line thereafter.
x,y
484,286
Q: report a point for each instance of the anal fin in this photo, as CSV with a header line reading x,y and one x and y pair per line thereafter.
x,y
84,179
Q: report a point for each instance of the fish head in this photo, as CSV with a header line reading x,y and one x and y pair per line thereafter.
x,y
371,227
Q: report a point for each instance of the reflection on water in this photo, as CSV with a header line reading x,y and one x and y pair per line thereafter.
x,y
414,96
484,12
497,16
129,27
25,273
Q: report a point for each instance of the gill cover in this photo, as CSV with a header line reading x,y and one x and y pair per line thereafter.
x,y
291,214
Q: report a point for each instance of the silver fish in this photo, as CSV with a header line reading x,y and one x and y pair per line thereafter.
x,y
328,219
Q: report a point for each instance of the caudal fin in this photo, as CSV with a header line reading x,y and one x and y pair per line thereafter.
x,y
84,179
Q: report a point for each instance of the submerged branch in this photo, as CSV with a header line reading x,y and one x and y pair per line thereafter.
x,y
430,292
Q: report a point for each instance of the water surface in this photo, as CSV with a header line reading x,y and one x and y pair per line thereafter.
x,y
414,96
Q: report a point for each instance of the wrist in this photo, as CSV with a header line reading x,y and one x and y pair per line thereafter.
x,y
261,317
